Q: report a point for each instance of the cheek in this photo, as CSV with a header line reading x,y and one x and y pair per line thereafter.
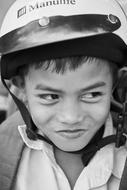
x,y
100,112
41,116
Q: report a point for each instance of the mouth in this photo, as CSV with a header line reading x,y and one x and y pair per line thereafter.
x,y
71,134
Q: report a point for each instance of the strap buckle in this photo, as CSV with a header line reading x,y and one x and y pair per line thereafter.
x,y
122,121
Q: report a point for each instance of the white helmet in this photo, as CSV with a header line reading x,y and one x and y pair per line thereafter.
x,y
35,23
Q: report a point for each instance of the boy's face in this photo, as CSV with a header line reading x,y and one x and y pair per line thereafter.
x,y
69,108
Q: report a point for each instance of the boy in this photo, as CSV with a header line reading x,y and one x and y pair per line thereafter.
x,y
64,57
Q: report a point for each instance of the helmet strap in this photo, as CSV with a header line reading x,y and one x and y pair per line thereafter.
x,y
122,116
24,112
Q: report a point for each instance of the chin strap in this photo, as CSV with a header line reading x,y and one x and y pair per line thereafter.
x,y
94,145
24,113
91,150
122,123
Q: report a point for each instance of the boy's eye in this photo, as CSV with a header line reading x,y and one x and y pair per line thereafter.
x,y
91,97
49,98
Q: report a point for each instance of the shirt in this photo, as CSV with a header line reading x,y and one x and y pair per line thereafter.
x,y
39,170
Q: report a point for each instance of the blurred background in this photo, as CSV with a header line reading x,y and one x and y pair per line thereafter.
x,y
4,5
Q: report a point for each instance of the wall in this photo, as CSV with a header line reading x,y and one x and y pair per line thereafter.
x,y
4,5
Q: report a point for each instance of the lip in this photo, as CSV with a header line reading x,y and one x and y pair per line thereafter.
x,y
71,134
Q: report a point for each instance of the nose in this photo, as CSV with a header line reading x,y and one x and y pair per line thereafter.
x,y
71,113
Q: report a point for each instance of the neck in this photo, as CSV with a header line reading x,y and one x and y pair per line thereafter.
x,y
70,163
59,154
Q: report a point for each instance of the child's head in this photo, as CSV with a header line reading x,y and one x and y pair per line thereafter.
x,y
64,53
68,98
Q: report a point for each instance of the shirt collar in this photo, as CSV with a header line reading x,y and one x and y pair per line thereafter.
x,y
32,144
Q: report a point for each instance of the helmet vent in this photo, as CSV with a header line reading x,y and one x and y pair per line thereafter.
x,y
44,22
113,19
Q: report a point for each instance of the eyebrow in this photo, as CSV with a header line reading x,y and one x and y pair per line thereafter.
x,y
94,86
50,89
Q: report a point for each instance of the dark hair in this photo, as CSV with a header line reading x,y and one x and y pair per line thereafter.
x,y
61,65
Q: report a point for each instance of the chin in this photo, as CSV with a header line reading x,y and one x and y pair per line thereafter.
x,y
70,148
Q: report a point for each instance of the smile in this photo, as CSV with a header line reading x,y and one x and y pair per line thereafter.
x,y
71,134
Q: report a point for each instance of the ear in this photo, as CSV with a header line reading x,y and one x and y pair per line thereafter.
x,y
18,81
18,88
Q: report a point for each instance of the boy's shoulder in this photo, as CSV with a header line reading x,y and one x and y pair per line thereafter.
x,y
11,148
9,128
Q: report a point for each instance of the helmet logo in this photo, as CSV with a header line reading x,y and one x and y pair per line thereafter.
x,y
42,5
44,22
21,12
113,19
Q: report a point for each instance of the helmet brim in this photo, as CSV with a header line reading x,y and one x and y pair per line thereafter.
x,y
54,29
106,46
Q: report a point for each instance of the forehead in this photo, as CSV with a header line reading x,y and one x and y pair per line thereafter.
x,y
86,74
62,65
